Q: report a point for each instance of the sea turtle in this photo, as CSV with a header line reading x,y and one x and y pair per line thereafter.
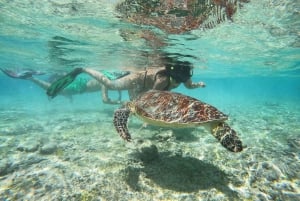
x,y
178,16
175,110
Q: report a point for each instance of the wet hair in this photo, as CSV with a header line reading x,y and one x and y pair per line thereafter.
x,y
180,71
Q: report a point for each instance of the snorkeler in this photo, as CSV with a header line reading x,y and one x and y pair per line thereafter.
x,y
161,78
81,85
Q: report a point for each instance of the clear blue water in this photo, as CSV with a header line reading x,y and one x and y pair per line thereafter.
x,y
251,67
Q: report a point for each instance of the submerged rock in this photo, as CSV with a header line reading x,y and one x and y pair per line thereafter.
x,y
49,148
4,165
10,165
28,146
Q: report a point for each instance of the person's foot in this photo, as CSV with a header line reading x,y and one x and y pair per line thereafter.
x,y
24,74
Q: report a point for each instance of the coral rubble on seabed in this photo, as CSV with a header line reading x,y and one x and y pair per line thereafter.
x,y
80,157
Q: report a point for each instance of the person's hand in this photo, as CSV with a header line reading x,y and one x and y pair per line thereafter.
x,y
112,102
201,84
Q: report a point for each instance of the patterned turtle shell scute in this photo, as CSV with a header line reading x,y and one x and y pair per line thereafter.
x,y
170,107
178,16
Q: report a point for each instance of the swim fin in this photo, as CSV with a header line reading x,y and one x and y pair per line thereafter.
x,y
62,82
24,74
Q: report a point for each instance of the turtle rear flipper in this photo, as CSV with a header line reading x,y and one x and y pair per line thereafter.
x,y
227,137
120,122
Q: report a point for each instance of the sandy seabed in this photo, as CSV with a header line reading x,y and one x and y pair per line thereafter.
x,y
60,155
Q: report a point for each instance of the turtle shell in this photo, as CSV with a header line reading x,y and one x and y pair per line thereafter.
x,y
175,16
166,108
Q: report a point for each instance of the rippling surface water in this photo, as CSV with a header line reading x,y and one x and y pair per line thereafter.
x,y
68,150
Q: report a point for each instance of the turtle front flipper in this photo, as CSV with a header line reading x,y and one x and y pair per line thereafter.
x,y
227,137
120,122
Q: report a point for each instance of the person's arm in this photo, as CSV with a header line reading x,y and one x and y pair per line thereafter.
x,y
192,85
45,85
161,82
106,99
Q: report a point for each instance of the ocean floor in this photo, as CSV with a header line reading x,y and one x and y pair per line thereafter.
x,y
62,155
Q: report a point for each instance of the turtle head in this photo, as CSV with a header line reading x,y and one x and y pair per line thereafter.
x,y
130,106
227,137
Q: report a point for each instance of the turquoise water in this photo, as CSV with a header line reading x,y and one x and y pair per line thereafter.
x,y
64,149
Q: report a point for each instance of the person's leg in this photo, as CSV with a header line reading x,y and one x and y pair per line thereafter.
x,y
92,86
125,83
40,83
133,80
